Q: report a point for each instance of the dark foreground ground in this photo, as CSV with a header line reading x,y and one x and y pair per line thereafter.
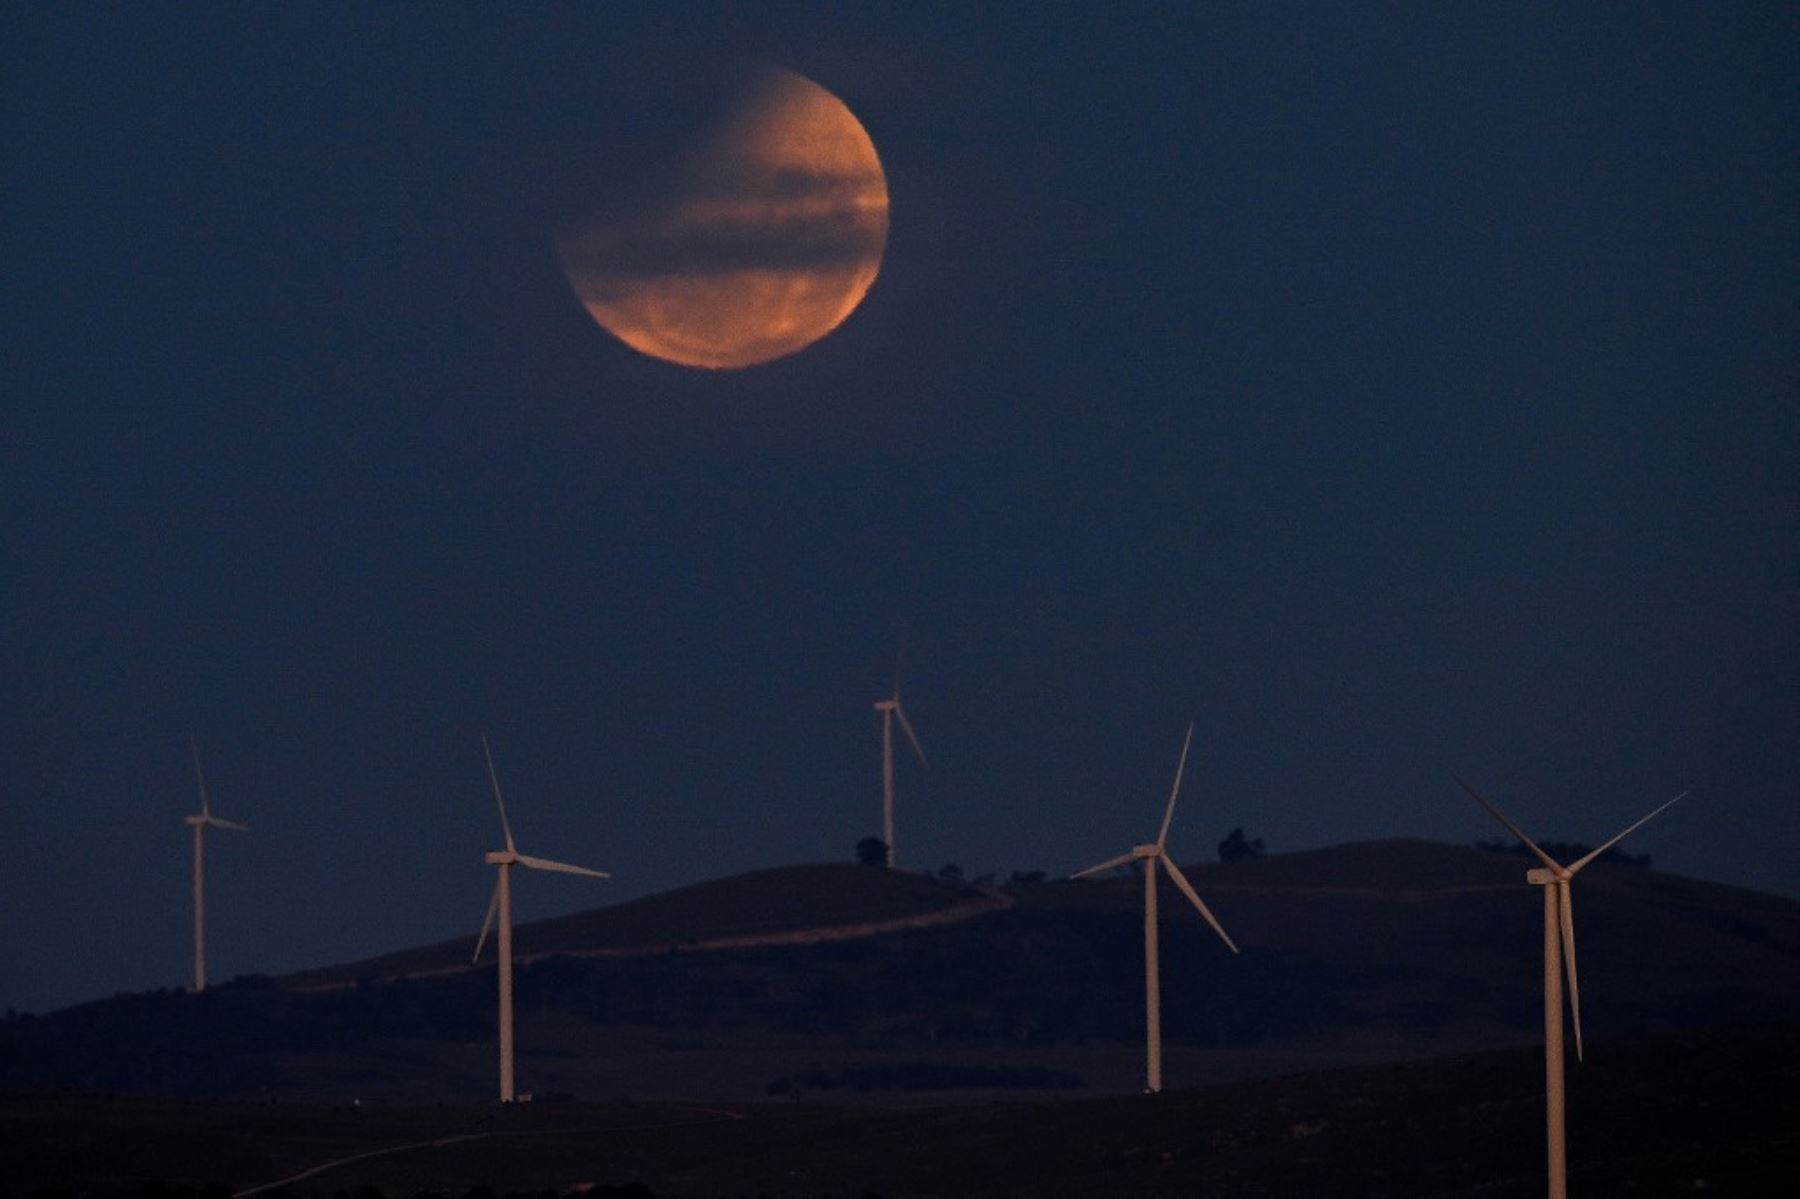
x,y
1714,1113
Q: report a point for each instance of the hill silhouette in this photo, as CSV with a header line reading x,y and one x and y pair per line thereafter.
x,y
761,907
753,985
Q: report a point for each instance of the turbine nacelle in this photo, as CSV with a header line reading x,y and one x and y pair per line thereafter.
x,y
501,857
203,820
204,816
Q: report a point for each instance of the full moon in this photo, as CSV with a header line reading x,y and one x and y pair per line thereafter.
x,y
764,237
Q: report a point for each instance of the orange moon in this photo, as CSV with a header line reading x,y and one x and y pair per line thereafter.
x,y
763,239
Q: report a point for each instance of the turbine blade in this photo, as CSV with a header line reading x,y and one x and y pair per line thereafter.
x,y
498,800
230,824
560,867
1566,911
1106,865
1174,791
906,727
1516,831
1187,889
1588,857
487,922
199,776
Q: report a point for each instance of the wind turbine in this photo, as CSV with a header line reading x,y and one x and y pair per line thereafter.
x,y
1559,927
200,821
1151,855
501,905
890,709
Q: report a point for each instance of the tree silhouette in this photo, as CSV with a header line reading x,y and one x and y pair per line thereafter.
x,y
871,851
1235,848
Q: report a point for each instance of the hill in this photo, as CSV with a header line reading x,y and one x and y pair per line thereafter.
x,y
853,981
763,907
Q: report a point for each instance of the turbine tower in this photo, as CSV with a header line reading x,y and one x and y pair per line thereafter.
x,y
1152,855
1559,929
891,710
201,821
501,906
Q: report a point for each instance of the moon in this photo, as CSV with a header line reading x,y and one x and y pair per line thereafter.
x,y
762,239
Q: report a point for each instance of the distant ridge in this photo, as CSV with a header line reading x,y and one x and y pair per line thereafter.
x,y
1394,865
821,902
780,905
1309,900
1373,951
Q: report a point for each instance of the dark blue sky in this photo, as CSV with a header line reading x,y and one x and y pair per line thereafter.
x,y
1396,391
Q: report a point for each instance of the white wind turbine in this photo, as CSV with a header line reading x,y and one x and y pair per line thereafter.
x,y
1151,856
201,821
501,906
1559,929
891,710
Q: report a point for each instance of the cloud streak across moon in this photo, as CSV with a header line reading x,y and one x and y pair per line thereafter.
x,y
764,238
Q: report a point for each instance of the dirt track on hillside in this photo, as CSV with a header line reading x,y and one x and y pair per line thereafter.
x,y
991,900
968,909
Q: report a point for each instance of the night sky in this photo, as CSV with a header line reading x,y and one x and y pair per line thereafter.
x,y
1397,392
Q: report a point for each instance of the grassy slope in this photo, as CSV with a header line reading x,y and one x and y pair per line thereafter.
x,y
764,901
1376,951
